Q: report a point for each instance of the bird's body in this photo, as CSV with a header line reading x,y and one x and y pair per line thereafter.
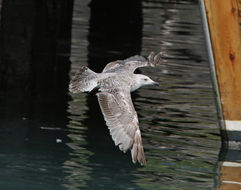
x,y
115,83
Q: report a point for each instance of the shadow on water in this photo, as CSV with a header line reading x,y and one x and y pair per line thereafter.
x,y
34,66
115,32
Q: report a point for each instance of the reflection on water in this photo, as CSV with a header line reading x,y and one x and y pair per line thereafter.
x,y
178,120
44,147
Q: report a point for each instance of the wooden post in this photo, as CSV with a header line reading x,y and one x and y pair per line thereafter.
x,y
239,10
230,178
223,20
224,28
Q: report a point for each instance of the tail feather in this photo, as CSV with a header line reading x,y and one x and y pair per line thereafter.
x,y
137,151
84,81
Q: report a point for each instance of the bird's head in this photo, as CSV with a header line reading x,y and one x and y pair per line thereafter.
x,y
142,80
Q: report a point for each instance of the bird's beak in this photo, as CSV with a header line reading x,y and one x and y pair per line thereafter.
x,y
156,83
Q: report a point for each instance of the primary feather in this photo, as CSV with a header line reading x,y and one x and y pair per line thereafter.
x,y
115,83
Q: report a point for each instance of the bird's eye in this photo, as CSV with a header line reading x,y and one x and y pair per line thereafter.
x,y
145,79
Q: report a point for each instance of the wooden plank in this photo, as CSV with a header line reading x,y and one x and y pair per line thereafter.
x,y
231,174
239,10
223,19
227,186
224,26
230,178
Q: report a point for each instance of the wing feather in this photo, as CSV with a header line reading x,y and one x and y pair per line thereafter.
x,y
134,62
122,121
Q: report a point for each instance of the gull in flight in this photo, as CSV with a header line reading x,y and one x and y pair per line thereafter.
x,y
115,83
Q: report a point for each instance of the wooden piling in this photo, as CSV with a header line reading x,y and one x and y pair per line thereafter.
x,y
224,19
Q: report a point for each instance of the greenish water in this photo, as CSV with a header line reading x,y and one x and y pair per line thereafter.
x,y
52,146
178,120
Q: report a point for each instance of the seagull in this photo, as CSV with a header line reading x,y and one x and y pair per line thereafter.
x,y
115,84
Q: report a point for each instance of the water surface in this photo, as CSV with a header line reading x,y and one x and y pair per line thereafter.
x,y
178,120
47,144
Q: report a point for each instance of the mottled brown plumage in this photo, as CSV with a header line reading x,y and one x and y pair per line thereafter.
x,y
115,84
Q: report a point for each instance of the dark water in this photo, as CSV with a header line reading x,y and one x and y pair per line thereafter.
x,y
53,140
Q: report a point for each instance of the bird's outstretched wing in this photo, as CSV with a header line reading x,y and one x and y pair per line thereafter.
x,y
121,119
131,64
84,80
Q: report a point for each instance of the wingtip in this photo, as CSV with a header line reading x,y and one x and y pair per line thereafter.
x,y
137,151
155,60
